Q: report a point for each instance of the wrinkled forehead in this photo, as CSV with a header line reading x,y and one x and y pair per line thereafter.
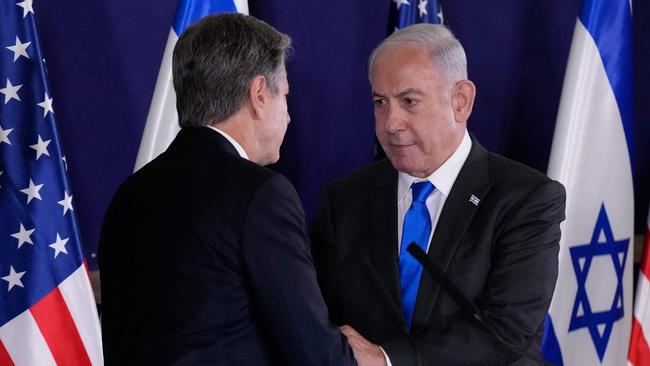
x,y
403,55
403,67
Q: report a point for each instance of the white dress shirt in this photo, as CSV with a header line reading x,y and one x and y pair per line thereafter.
x,y
443,179
234,143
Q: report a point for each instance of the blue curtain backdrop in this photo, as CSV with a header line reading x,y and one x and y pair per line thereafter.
x,y
103,58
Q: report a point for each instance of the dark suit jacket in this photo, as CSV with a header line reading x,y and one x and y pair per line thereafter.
x,y
205,260
502,254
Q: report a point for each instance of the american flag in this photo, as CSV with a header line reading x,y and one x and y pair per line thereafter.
x,y
639,353
47,310
408,12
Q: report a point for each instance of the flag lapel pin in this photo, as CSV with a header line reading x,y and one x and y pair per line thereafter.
x,y
473,199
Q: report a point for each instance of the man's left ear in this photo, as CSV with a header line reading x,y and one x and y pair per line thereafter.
x,y
258,95
462,100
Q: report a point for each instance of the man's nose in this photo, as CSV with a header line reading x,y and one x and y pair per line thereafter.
x,y
394,119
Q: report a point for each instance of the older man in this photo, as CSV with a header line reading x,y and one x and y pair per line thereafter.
x,y
490,224
204,256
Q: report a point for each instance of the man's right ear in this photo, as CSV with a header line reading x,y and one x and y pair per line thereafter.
x,y
258,96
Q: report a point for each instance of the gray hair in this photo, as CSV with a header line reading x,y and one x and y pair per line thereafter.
x,y
216,59
447,54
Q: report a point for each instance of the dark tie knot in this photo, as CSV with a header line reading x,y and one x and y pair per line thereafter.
x,y
422,190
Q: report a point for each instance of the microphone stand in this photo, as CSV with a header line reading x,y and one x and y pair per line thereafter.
x,y
464,302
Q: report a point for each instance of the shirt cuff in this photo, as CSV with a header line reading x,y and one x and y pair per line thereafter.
x,y
386,357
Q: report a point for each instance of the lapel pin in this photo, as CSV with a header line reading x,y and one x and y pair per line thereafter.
x,y
473,199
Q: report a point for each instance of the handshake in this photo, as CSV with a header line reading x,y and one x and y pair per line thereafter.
x,y
365,352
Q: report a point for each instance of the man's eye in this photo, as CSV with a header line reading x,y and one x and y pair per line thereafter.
x,y
379,102
411,102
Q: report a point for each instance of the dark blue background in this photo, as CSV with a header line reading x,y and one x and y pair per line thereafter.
x,y
103,58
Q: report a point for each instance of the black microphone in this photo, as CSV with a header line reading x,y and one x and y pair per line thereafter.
x,y
463,301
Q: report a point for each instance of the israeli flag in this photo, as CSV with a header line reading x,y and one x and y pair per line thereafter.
x,y
162,121
591,313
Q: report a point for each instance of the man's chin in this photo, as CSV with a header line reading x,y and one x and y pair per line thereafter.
x,y
408,167
400,164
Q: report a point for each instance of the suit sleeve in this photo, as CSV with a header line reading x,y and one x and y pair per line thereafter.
x,y
287,299
325,257
518,291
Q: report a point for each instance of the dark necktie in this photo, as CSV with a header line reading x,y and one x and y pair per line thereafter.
x,y
416,228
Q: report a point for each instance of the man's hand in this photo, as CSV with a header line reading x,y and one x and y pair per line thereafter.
x,y
365,352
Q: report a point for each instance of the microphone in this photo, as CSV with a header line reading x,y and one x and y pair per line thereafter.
x,y
464,302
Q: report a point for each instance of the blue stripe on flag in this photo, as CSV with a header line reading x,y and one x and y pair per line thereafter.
x,y
610,25
550,344
190,11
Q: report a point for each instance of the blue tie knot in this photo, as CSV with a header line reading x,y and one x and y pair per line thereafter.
x,y
421,190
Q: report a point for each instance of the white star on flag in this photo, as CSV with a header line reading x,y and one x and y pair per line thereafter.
x,y
422,6
441,16
4,135
65,163
41,147
23,236
28,7
59,245
19,49
66,202
14,278
11,91
32,191
46,104
399,3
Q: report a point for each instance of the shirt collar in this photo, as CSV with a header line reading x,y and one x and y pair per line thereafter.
x,y
234,143
445,176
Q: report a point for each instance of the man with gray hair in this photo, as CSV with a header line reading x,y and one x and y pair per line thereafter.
x,y
491,226
204,255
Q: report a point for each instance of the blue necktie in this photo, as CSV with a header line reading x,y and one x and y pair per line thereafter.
x,y
417,228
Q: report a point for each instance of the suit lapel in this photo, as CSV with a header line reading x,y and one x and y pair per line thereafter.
x,y
382,250
456,216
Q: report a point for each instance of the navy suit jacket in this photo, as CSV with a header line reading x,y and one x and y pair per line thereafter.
x,y
501,253
204,260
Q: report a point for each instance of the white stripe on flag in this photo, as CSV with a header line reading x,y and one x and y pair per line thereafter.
x,y
242,6
642,313
162,121
78,296
25,343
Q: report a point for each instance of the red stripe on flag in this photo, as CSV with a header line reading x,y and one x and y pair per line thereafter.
x,y
5,359
645,261
639,353
58,329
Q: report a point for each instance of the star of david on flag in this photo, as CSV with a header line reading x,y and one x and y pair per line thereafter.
x,y
590,316
599,323
47,309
